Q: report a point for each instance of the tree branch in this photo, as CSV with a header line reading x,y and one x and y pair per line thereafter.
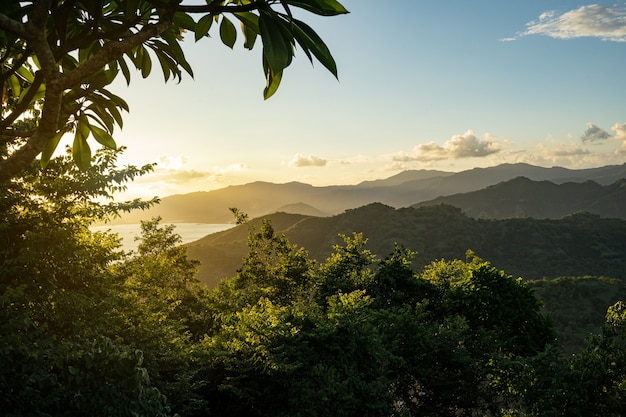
x,y
57,82
17,133
35,35
13,26
215,8
24,104
112,51
21,158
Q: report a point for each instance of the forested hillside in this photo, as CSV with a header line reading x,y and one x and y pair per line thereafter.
x,y
576,245
577,305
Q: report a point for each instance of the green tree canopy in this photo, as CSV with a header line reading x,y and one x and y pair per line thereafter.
x,y
58,58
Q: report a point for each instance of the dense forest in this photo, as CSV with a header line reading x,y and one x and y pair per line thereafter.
x,y
577,244
87,329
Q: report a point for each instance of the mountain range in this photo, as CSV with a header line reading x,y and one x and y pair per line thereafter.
x,y
402,190
522,197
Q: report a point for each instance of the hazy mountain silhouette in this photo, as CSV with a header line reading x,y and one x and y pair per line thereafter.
x,y
522,197
301,208
405,176
402,190
577,245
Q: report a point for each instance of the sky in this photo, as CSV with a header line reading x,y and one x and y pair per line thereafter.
x,y
446,85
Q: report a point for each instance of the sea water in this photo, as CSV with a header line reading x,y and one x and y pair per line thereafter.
x,y
187,231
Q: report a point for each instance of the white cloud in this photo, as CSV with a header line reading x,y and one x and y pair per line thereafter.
x,y
168,162
571,155
466,145
175,170
307,161
564,150
620,131
598,21
236,167
620,135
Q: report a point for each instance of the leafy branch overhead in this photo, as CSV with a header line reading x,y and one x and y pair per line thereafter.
x,y
57,59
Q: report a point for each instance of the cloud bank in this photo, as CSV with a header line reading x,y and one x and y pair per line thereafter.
x,y
174,171
299,161
466,145
598,21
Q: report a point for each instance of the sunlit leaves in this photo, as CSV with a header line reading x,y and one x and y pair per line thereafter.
x,y
13,83
50,148
272,80
60,300
102,137
80,147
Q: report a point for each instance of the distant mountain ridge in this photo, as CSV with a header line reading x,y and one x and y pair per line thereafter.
x,y
401,190
577,245
522,197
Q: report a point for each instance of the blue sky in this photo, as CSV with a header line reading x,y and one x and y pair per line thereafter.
x,y
447,85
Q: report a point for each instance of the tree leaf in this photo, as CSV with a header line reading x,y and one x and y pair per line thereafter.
x,y
50,148
249,27
272,81
125,71
174,50
309,40
184,21
276,49
249,36
145,62
100,115
103,137
14,84
166,63
41,92
82,126
26,74
249,19
228,33
112,108
203,26
81,151
320,7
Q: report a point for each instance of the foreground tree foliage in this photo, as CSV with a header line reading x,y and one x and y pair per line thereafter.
x,y
59,299
58,58
86,329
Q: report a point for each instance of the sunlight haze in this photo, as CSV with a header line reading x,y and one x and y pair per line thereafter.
x,y
447,85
